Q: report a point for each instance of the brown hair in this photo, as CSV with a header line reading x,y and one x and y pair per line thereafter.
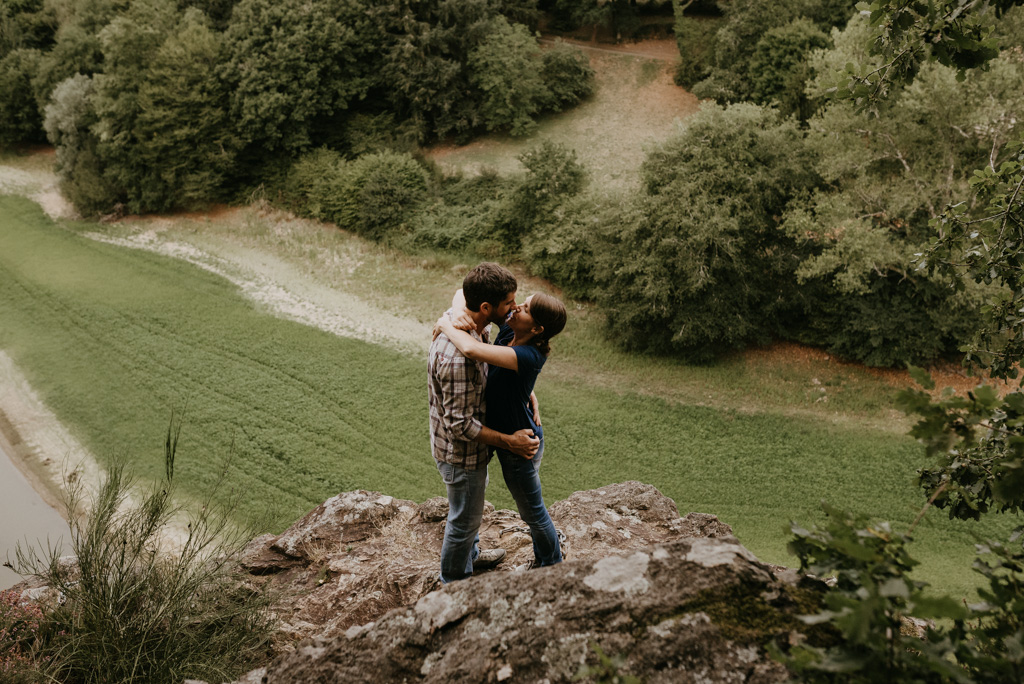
x,y
549,312
487,282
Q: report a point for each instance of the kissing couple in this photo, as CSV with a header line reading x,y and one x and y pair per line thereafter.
x,y
482,403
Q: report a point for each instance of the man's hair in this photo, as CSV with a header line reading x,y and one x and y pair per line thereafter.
x,y
488,282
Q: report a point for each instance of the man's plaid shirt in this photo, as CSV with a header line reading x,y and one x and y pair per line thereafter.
x,y
455,389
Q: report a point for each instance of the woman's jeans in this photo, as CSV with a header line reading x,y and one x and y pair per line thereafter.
x,y
522,476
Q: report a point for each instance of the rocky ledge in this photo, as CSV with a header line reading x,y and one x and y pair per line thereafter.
x,y
643,592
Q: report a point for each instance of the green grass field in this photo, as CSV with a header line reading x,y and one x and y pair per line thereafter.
x,y
114,338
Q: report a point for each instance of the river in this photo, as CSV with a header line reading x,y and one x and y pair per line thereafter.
x,y
24,517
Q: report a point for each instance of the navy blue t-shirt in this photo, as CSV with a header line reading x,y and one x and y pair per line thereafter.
x,y
508,391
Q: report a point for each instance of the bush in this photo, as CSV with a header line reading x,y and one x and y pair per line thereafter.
x,y
705,268
779,69
695,37
69,118
454,227
567,76
21,623
552,175
373,195
567,247
386,188
312,183
367,133
134,610
898,320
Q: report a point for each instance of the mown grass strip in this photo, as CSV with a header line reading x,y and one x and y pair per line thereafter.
x,y
114,338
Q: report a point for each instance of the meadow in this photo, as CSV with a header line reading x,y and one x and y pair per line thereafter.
x,y
113,339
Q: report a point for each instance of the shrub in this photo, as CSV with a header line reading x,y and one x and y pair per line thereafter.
x,y
68,121
566,248
705,268
552,175
695,37
779,69
373,195
132,609
366,133
567,76
897,320
872,592
312,183
454,227
20,627
384,189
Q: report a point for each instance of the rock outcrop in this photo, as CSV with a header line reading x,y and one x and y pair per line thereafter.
x,y
667,598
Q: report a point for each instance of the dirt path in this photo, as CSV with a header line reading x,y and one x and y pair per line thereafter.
x,y
39,183
279,287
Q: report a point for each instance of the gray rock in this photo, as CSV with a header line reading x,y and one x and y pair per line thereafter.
x,y
360,555
672,612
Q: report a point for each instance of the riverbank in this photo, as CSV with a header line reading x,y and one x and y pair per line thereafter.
x,y
34,449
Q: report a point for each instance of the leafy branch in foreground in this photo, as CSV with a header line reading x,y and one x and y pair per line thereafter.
x,y
871,596
137,602
955,33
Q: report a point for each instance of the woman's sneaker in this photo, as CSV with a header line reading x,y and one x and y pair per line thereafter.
x,y
488,559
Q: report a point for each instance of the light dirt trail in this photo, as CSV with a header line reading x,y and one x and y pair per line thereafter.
x,y
281,289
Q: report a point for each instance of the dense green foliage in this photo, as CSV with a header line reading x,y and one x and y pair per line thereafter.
x,y
756,51
192,103
975,440
705,267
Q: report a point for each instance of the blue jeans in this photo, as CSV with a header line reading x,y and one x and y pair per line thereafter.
x,y
522,476
465,511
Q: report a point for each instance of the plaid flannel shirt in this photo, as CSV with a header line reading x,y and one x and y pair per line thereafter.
x,y
455,390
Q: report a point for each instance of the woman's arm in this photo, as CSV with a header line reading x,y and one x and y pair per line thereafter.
x,y
496,355
463,321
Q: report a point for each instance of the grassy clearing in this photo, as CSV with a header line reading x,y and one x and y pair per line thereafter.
x,y
635,103
113,338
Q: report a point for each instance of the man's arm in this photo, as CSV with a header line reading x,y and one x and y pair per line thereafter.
x,y
535,406
521,442
460,395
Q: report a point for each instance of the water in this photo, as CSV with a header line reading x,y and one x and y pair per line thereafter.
x,y
24,517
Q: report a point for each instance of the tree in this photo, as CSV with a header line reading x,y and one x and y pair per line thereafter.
x,y
425,49
291,66
20,120
186,143
504,67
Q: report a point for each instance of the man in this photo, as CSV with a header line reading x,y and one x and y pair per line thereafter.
x,y
459,439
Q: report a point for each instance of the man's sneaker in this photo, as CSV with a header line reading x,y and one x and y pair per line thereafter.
x,y
488,559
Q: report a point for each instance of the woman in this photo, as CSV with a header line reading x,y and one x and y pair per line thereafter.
x,y
515,359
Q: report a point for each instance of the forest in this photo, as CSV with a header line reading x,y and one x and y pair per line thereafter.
x,y
322,107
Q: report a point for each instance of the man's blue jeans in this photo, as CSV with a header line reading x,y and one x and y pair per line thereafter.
x,y
461,545
522,476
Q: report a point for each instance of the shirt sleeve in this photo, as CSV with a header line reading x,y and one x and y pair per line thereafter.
x,y
461,394
529,357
